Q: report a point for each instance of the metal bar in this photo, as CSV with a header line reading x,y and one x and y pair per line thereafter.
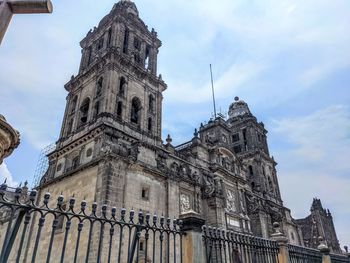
x,y
135,241
89,242
154,246
120,243
68,224
54,225
25,227
146,244
8,230
161,237
100,240
12,236
174,247
111,233
41,224
80,227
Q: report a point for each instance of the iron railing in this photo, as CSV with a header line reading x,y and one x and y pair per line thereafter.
x,y
35,232
339,258
299,254
231,247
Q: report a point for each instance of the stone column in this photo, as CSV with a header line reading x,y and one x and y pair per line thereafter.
x,y
193,248
323,248
282,240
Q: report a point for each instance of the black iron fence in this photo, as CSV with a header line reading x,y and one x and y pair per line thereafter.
x,y
47,230
339,258
32,231
304,255
225,246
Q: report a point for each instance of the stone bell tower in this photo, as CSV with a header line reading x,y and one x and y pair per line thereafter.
x,y
114,104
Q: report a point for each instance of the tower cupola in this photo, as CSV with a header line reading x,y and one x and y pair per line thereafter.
x,y
238,108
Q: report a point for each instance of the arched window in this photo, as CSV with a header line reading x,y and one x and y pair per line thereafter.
x,y
150,103
96,109
84,111
135,110
122,86
126,41
99,87
109,36
73,104
75,162
149,125
119,109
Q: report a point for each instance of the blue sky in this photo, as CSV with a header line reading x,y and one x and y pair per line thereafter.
x,y
289,60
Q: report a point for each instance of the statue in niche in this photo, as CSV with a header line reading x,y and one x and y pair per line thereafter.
x,y
231,201
185,205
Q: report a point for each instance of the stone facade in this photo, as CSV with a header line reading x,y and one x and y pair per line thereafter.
x,y
319,223
9,139
110,148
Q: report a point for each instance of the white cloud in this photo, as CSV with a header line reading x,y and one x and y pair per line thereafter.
x,y
316,163
5,174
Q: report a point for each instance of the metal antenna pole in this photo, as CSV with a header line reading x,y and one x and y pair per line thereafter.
x,y
212,88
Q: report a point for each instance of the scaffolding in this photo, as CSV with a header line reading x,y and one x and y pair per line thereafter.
x,y
43,163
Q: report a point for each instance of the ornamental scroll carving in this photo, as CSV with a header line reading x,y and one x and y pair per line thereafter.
x,y
185,204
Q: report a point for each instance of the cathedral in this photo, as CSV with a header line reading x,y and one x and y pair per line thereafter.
x,y
110,148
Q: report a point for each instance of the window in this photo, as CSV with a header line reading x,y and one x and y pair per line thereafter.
x,y
96,109
292,235
135,110
89,152
100,44
150,103
146,62
74,104
145,193
237,149
126,41
122,86
84,111
119,109
245,134
252,185
59,167
235,137
69,126
89,55
149,126
109,36
251,170
99,87
270,185
75,162
137,44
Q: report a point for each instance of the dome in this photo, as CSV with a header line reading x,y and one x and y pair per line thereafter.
x,y
238,108
128,6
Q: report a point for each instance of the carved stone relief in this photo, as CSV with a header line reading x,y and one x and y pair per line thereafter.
x,y
231,201
185,204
